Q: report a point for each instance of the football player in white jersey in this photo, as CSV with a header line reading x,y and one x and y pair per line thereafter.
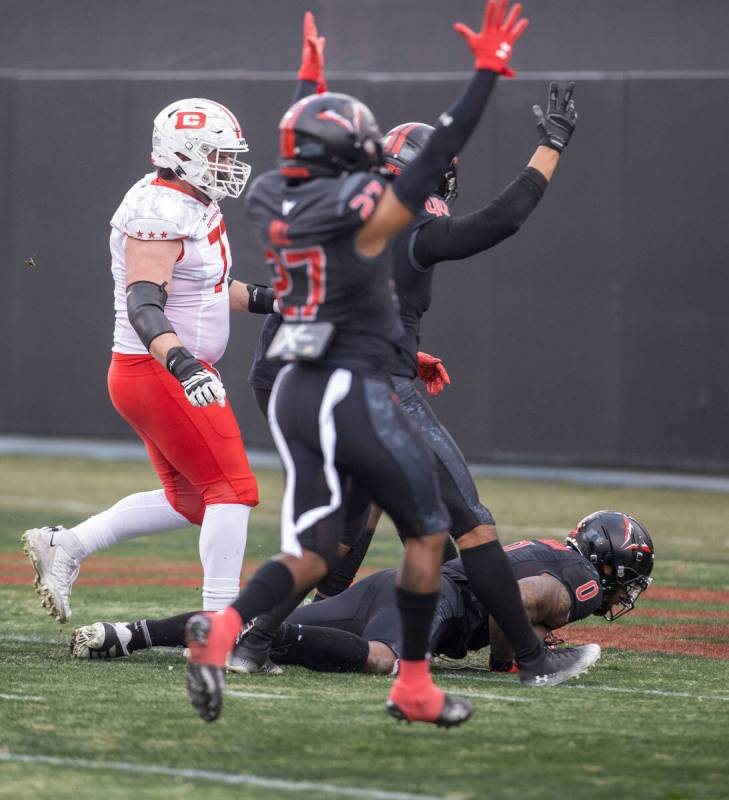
x,y
172,299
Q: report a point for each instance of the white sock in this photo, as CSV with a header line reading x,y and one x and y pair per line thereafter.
x,y
222,543
136,515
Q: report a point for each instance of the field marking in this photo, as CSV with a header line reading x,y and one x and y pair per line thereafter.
x,y
656,692
13,501
619,689
259,695
229,778
505,698
33,638
26,698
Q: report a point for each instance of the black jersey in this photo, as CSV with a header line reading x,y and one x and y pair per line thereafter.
x,y
528,558
413,284
308,234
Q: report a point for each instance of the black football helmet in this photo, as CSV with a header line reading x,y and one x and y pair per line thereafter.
x,y
404,142
621,550
327,134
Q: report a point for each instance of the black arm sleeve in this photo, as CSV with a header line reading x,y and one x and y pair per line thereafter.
x,y
303,89
421,176
146,310
448,238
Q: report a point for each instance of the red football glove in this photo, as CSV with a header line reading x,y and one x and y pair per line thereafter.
x,y
432,372
312,55
492,46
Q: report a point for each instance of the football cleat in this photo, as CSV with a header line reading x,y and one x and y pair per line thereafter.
x,y
455,711
55,570
208,650
101,640
245,663
555,666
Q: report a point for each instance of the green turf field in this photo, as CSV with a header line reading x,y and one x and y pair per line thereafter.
x,y
642,723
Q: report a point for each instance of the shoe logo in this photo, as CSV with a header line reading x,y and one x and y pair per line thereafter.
x,y
541,678
287,205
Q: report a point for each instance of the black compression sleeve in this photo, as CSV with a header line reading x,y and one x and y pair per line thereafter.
x,y
146,310
447,238
421,176
303,89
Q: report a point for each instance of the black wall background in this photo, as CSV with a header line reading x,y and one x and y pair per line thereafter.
x,y
596,336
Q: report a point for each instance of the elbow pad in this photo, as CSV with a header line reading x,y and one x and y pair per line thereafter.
x,y
146,310
260,298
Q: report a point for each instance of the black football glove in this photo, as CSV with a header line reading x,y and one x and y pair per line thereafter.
x,y
201,386
556,126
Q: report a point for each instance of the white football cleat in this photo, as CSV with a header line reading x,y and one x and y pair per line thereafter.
x,y
101,640
55,570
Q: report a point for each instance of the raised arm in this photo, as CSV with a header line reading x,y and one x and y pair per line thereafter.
x,y
453,238
311,72
400,202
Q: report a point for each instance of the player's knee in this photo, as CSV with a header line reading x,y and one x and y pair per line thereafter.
x,y
233,492
189,505
380,659
481,534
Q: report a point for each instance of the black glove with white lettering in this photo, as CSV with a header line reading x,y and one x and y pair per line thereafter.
x,y
202,387
557,125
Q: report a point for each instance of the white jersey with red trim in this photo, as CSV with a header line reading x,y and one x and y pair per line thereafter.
x,y
197,296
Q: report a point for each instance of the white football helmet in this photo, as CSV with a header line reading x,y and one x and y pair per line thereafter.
x,y
200,140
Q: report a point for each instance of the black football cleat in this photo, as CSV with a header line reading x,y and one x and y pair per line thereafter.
x,y
555,666
455,711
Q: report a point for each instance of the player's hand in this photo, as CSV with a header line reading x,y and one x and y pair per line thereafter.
x,y
492,45
312,55
557,125
202,387
433,373
499,665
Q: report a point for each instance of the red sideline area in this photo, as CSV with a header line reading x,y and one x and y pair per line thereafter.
x,y
709,638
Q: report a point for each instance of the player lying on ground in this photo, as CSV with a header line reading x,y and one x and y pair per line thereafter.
x,y
602,568
433,236
171,264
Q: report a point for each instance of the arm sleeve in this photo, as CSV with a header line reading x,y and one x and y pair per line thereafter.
x,y
421,176
303,89
448,238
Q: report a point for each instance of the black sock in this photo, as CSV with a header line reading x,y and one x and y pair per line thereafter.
x,y
320,649
416,613
257,642
272,583
492,581
169,632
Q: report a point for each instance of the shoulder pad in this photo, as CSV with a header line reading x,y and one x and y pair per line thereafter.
x,y
155,211
581,580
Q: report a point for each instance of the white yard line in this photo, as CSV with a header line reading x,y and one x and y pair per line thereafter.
x,y
26,698
656,692
503,697
229,778
13,501
32,638
259,695
618,689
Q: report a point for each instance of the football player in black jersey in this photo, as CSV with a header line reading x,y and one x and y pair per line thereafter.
x,y
431,237
602,568
325,219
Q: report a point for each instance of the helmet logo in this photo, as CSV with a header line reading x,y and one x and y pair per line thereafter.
x,y
191,120
332,116
628,525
